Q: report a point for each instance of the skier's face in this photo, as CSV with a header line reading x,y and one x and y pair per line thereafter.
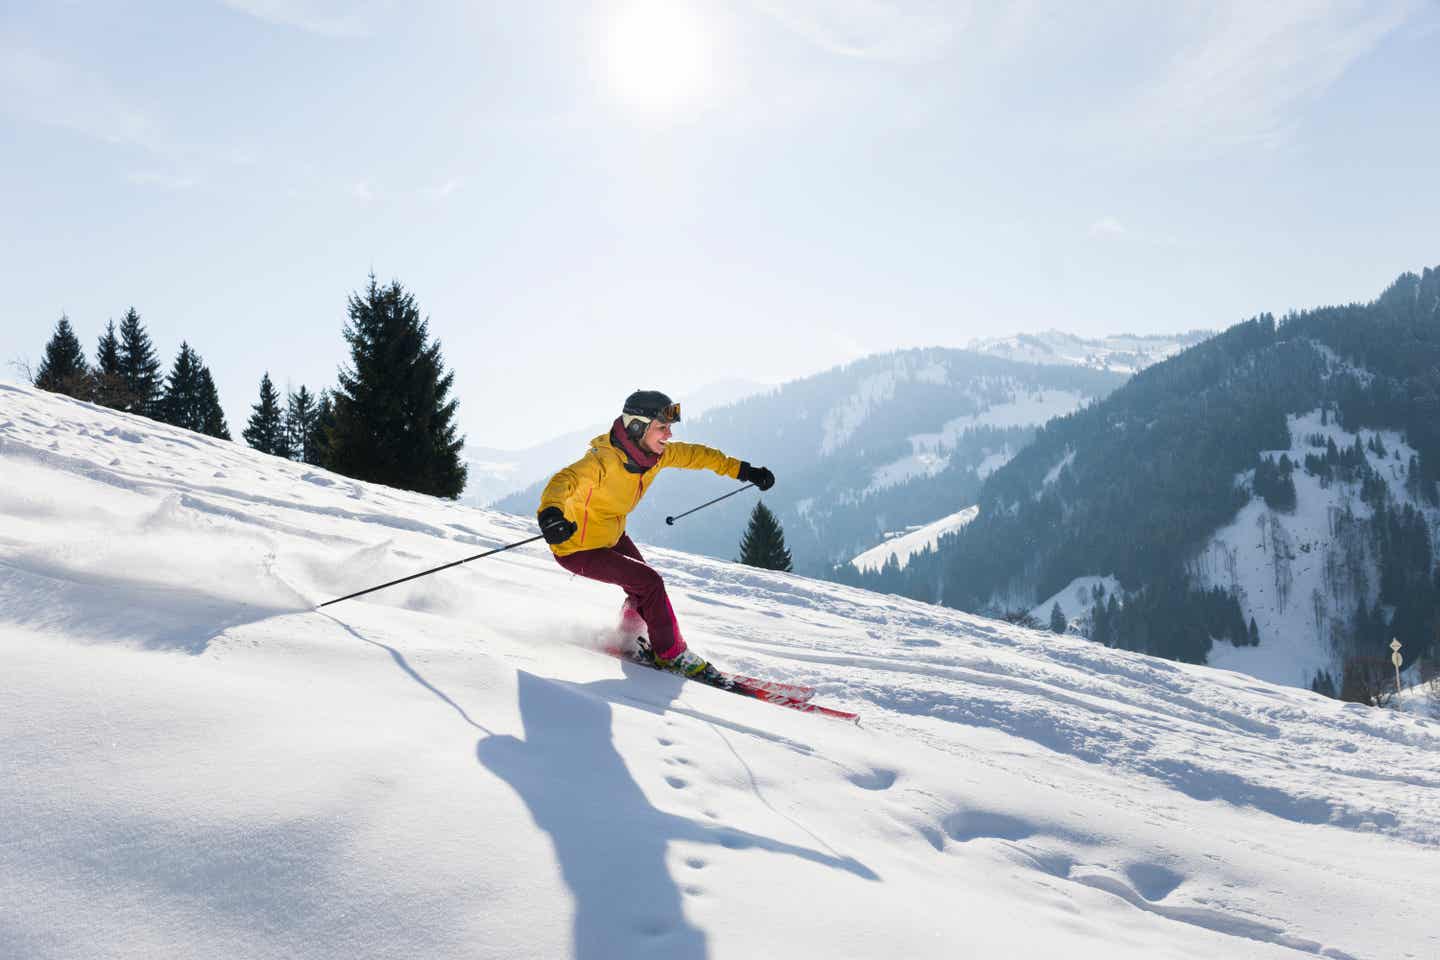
x,y
657,434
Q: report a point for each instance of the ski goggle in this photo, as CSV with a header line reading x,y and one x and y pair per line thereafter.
x,y
670,414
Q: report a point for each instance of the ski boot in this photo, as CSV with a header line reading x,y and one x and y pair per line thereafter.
x,y
687,664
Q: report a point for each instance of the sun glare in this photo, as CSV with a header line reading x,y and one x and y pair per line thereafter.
x,y
658,55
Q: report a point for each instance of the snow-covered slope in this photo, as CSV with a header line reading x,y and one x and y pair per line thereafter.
x,y
930,453
1296,572
1122,353
906,544
198,763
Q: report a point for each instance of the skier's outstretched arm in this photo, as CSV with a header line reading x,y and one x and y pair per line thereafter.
x,y
695,456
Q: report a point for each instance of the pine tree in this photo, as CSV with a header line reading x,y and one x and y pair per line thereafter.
x,y
109,382
212,416
266,430
183,401
1058,623
300,413
190,399
394,421
64,370
318,444
139,367
764,542
1254,633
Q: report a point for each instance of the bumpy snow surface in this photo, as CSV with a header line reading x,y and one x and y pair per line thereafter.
x,y
197,763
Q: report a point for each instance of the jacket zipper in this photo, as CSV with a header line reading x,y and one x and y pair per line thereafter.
x,y
585,520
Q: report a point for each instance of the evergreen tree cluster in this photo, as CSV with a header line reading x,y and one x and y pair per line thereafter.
x,y
390,420
297,429
1275,483
127,376
1351,465
1170,619
1409,587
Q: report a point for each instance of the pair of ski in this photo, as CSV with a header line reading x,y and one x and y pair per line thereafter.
x,y
793,696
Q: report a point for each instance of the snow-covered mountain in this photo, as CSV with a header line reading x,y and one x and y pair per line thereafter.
x,y
1122,353
197,762
1266,501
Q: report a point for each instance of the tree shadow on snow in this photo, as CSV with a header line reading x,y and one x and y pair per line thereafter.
x,y
610,840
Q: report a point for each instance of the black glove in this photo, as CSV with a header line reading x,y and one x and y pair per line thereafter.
x,y
759,476
554,526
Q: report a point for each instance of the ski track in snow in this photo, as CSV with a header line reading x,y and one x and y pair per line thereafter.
x,y
203,763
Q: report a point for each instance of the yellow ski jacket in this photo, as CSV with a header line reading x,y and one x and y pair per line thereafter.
x,y
597,493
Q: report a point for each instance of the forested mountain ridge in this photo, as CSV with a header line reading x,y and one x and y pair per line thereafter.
x,y
1137,484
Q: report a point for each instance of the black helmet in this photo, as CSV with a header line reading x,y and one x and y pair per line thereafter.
x,y
642,406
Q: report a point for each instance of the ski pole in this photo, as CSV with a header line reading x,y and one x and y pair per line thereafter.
x,y
670,521
425,573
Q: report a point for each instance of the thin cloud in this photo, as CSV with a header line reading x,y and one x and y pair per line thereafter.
x,y
1251,64
164,181
1106,227
337,19
446,189
870,29
42,89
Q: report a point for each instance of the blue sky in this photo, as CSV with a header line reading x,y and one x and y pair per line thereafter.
x,y
590,197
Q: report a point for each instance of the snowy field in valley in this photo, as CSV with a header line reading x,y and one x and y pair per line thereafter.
x,y
905,545
198,763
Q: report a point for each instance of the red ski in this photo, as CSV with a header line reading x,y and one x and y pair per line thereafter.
x,y
795,691
781,700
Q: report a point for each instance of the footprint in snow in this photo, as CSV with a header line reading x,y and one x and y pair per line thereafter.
x,y
878,779
966,825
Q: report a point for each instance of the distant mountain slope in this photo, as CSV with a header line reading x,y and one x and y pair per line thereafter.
x,y
880,444
1121,353
1139,485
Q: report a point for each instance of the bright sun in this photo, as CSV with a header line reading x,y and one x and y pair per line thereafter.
x,y
658,54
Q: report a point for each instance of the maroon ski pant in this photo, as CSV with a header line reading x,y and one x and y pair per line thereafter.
x,y
623,566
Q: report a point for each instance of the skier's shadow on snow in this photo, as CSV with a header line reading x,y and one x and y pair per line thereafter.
x,y
610,840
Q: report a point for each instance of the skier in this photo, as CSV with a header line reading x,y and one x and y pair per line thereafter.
x,y
583,510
